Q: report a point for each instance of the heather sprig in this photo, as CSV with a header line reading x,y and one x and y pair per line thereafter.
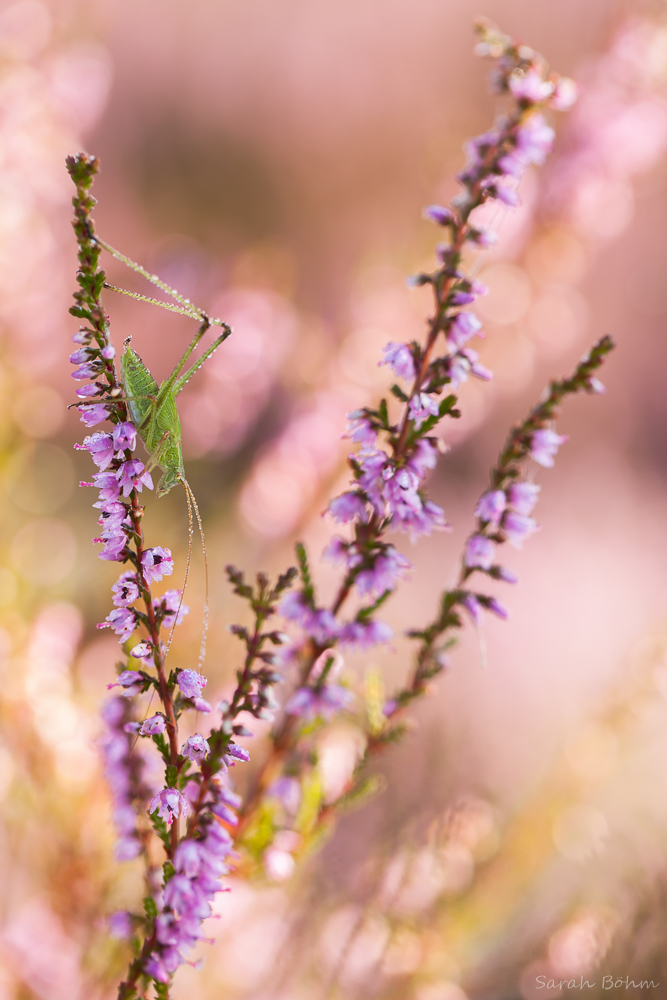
x,y
395,454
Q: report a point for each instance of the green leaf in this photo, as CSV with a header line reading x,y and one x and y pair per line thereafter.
x,y
150,907
398,392
171,776
304,571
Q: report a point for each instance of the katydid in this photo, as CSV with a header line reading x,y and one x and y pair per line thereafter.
x,y
152,408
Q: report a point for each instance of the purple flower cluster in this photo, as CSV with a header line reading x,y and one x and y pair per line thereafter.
x,y
122,770
321,624
198,862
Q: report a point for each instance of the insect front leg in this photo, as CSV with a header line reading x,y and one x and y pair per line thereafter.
x,y
184,379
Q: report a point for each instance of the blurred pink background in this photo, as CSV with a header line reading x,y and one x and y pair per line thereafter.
x,y
272,160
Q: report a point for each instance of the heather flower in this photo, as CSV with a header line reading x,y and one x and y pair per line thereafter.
x,y
196,748
543,446
372,466
534,139
424,456
170,804
131,680
481,237
114,547
156,563
359,428
122,620
387,569
132,475
346,507
400,360
120,925
364,634
518,527
124,437
126,590
327,701
564,95
318,623
530,86
472,605
141,651
112,517
156,724
479,552
491,506
173,611
522,497
465,326
441,216
191,683
100,447
238,752
86,391
497,608
107,484
92,415
421,407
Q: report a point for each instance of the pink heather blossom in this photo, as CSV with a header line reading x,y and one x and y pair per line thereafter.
x,y
132,475
308,703
522,497
122,620
85,391
421,407
131,681
191,683
441,216
400,360
518,527
156,563
491,506
114,547
112,517
100,446
364,634
156,724
508,195
359,428
238,752
383,575
565,94
534,139
126,590
424,456
124,437
470,602
498,609
120,925
544,445
479,552
169,604
465,326
481,237
530,86
196,748
107,484
170,804
346,507
92,415
142,650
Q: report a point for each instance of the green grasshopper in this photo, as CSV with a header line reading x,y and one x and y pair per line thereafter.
x,y
152,408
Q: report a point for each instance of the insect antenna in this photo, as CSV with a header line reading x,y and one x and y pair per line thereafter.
x,y
191,500
190,308
191,535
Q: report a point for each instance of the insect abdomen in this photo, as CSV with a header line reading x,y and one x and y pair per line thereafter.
x,y
139,385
